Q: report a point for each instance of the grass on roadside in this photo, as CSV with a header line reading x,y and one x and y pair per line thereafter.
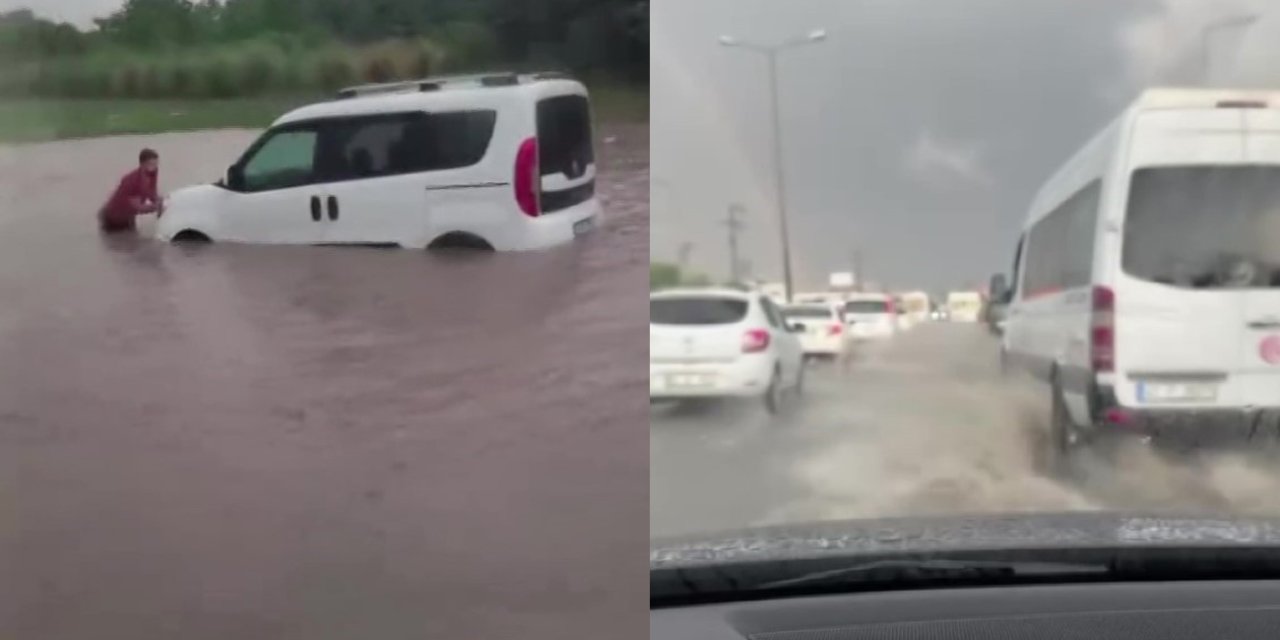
x,y
36,120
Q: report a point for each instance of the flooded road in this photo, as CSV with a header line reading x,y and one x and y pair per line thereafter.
x,y
264,442
924,424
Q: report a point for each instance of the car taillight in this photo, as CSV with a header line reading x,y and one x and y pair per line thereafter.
x,y
834,330
528,178
755,341
1102,330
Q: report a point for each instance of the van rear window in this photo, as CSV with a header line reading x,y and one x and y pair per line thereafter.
x,y
697,311
866,306
1204,226
564,135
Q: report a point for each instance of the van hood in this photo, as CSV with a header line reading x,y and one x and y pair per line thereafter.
x,y
196,194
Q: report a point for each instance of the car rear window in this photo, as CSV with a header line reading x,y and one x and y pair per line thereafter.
x,y
866,306
1204,226
564,135
696,311
807,312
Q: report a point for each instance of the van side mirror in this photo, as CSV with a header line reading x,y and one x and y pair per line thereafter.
x,y
235,177
999,289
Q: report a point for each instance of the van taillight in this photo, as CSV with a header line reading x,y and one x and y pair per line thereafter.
x,y
755,340
834,330
1102,330
528,178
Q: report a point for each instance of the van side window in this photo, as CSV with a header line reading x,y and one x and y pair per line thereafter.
x,y
397,144
1060,246
283,159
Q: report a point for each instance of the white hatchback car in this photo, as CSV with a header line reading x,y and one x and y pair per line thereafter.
x,y
708,343
820,328
871,316
501,161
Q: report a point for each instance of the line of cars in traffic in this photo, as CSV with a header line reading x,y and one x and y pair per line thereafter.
x,y
744,343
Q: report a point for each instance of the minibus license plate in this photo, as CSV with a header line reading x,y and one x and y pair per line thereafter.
x,y
1176,392
583,226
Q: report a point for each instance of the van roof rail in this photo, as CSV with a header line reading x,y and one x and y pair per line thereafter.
x,y
437,83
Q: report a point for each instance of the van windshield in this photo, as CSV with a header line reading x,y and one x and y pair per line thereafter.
x,y
696,311
1204,226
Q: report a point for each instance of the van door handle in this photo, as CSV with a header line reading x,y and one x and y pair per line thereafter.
x,y
315,208
1265,323
333,208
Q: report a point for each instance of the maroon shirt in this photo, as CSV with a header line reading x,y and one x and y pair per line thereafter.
x,y
118,211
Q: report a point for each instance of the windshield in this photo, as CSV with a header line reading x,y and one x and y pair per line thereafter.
x,y
1196,227
696,311
1116,163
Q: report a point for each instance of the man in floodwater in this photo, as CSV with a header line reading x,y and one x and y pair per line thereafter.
x,y
135,195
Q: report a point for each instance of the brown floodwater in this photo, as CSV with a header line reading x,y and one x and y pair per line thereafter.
x,y
303,442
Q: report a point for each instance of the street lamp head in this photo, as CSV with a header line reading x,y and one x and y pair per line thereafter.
x,y
817,35
728,41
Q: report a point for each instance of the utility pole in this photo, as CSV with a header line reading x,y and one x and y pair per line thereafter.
x,y
771,54
1236,22
858,277
734,224
682,255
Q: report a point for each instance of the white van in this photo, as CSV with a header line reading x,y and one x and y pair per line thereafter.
x,y
1146,287
501,161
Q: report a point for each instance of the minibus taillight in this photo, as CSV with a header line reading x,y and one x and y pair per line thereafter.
x,y
528,178
1102,330
755,340
835,329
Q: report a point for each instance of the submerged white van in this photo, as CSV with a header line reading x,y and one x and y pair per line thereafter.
x,y
1146,283
502,161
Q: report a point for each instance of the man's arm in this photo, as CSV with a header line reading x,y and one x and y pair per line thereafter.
x,y
141,205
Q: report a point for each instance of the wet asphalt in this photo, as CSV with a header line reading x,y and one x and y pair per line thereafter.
x,y
923,424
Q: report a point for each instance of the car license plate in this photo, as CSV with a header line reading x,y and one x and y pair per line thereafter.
x,y
1176,392
583,226
688,380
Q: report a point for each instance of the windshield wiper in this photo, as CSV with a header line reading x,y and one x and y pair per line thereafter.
x,y
899,571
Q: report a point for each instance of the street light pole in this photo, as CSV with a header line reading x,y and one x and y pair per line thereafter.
x,y
780,190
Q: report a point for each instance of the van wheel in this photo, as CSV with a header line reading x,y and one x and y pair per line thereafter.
x,y
1064,439
189,236
773,394
460,240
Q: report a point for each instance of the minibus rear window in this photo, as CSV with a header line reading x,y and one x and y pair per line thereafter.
x,y
1204,227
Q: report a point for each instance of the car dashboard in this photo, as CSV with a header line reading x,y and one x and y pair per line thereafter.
x,y
1222,610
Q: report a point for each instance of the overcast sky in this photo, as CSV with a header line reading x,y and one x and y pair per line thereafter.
x,y
78,12
917,132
